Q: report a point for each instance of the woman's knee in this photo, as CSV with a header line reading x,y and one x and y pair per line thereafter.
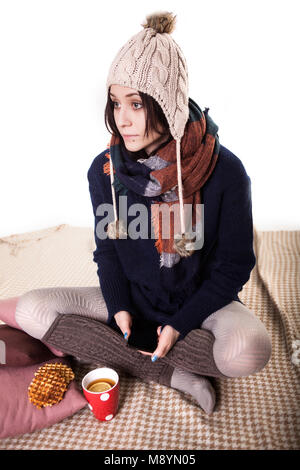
x,y
244,354
33,314
242,345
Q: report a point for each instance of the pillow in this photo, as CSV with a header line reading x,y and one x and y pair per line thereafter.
x,y
7,315
19,349
18,414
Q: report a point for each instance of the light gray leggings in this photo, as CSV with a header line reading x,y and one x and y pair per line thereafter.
x,y
242,345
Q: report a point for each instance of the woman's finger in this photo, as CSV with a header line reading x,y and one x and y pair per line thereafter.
x,y
145,353
166,341
124,322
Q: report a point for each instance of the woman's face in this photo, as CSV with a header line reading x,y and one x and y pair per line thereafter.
x,y
130,120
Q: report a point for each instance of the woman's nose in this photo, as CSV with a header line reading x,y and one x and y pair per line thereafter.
x,y
124,118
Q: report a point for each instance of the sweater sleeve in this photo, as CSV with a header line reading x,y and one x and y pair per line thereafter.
x,y
114,284
230,264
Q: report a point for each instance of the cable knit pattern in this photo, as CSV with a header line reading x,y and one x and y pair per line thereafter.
x,y
100,343
153,63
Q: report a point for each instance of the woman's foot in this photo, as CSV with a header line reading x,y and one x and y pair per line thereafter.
x,y
197,386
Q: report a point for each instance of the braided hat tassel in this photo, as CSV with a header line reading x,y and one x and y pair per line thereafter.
x,y
183,243
115,229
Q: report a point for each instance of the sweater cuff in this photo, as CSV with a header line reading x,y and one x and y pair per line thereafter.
x,y
181,335
116,295
191,316
182,327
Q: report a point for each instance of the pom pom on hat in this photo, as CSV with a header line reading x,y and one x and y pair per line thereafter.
x,y
161,22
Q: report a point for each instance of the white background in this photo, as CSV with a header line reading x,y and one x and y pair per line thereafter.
x,y
243,62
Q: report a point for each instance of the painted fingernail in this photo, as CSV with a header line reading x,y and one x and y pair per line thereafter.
x,y
125,335
153,358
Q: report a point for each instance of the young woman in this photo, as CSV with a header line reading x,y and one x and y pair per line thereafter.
x,y
172,298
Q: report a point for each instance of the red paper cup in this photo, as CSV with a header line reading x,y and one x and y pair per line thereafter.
x,y
104,405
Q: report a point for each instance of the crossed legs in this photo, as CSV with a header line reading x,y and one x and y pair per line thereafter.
x,y
240,343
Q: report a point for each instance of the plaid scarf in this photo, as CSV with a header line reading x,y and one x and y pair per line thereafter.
x,y
156,178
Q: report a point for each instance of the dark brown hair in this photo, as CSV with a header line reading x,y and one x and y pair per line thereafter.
x,y
153,113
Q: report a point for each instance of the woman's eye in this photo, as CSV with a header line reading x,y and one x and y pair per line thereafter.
x,y
138,104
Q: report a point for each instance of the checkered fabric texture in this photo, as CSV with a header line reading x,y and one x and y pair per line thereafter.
x,y
256,412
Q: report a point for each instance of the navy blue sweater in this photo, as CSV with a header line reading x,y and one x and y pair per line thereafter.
x,y
185,295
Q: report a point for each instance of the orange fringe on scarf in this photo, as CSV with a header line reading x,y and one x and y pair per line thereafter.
x,y
106,166
161,244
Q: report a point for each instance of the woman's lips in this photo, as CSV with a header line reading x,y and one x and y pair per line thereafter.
x,y
129,136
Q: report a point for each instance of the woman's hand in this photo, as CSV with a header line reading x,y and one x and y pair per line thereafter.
x,y
166,340
158,335
124,322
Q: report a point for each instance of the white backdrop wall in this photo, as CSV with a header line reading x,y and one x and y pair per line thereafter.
x,y
243,61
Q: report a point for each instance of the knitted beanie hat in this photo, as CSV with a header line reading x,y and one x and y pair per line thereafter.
x,y
152,62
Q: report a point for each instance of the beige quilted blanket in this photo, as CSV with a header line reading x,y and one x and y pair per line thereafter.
x,y
257,412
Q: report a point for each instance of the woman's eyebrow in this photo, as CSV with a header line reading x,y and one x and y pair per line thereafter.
x,y
126,96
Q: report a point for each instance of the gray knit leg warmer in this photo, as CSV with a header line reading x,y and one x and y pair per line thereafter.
x,y
95,341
